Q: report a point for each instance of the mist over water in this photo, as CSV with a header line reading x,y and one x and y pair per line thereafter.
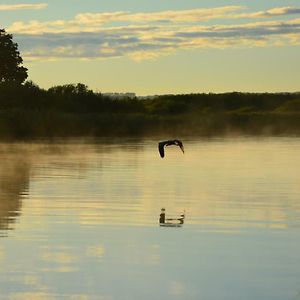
x,y
80,220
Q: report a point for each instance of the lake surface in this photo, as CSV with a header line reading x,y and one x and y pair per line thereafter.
x,y
80,220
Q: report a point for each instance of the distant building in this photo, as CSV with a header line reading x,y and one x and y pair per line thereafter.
x,y
119,95
148,97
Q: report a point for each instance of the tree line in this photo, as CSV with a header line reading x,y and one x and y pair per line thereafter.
x,y
72,110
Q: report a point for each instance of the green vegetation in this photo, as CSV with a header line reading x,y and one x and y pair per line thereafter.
x,y
11,69
27,111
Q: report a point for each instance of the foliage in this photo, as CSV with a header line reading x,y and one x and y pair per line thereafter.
x,y
73,110
11,69
290,106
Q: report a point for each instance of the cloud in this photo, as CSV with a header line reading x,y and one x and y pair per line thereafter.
x,y
150,35
256,30
277,11
92,21
23,6
171,16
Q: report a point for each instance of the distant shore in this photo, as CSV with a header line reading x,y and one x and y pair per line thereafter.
x,y
29,112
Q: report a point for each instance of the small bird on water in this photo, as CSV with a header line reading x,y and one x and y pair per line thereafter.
x,y
162,144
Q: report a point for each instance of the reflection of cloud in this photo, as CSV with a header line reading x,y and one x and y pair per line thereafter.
x,y
31,296
95,251
1,254
149,35
60,269
177,288
23,6
59,259
31,279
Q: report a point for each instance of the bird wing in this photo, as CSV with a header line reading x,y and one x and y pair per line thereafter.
x,y
161,149
162,144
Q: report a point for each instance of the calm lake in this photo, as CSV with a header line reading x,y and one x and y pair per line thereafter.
x,y
79,220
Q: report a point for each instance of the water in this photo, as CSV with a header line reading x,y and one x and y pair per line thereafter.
x,y
80,220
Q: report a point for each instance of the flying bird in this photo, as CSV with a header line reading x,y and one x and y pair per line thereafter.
x,y
161,146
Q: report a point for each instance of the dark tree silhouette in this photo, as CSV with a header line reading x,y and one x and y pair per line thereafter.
x,y
11,69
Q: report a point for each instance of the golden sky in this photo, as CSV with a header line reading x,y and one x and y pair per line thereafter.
x,y
159,48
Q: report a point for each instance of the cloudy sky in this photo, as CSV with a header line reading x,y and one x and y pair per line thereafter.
x,y
159,47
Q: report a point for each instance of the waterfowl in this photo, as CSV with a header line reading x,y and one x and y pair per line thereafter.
x,y
161,146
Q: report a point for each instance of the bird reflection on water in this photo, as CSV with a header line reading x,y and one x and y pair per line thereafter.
x,y
170,222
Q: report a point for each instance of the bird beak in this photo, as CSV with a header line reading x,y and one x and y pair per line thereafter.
x,y
182,149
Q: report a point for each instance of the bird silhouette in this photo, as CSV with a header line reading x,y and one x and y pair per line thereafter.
x,y
161,146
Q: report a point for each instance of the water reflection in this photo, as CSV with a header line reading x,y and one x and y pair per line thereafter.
x,y
88,227
14,184
221,184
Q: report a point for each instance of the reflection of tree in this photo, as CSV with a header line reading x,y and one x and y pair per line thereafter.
x,y
14,181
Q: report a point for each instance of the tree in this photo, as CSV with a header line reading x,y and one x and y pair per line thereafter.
x,y
11,69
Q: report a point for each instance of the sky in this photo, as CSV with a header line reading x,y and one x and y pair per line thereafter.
x,y
159,47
